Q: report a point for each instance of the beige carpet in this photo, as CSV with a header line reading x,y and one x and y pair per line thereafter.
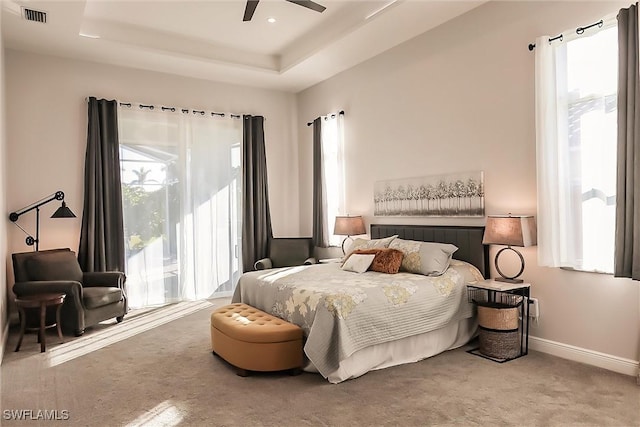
x,y
164,374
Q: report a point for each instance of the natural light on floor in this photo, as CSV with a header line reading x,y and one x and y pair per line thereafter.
x,y
130,327
164,414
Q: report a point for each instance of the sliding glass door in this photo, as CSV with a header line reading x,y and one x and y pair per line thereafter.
x,y
181,183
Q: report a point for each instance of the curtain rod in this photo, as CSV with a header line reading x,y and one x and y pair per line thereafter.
x,y
183,110
579,30
332,115
151,107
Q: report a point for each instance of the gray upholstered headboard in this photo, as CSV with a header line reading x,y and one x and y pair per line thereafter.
x,y
467,239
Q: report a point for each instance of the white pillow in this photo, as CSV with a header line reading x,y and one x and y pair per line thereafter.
x,y
358,263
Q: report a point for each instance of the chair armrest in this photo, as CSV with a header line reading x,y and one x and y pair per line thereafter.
x,y
310,260
71,288
263,264
105,279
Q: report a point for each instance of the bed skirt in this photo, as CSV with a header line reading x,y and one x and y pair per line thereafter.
x,y
407,350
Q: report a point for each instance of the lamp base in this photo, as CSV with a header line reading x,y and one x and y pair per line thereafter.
x,y
507,280
345,241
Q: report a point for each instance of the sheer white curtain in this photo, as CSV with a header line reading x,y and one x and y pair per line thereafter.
x,y
333,164
554,210
575,138
181,194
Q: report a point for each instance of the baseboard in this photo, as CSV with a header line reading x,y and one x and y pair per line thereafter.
x,y
583,355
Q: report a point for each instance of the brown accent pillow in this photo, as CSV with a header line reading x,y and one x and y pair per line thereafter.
x,y
386,260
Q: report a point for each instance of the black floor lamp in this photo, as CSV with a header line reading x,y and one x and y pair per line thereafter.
x,y
62,212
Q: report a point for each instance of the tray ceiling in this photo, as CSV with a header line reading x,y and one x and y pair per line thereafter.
x,y
209,40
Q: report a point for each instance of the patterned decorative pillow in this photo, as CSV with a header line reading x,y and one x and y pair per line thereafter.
x,y
358,263
386,260
369,244
427,258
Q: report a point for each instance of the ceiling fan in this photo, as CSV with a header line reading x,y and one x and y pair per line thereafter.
x,y
252,4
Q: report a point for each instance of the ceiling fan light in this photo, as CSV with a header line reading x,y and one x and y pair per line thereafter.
x,y
271,20
251,6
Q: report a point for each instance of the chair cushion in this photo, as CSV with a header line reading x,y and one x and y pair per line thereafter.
x,y
61,265
94,297
287,252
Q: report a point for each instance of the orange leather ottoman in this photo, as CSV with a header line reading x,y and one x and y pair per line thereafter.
x,y
252,340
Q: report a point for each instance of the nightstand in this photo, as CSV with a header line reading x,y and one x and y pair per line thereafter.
x,y
503,319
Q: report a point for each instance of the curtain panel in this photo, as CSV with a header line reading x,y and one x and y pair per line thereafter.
x,y
627,237
552,165
320,235
102,234
575,106
328,178
256,215
333,166
181,182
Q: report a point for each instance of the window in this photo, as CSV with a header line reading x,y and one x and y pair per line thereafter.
x,y
333,171
181,186
576,119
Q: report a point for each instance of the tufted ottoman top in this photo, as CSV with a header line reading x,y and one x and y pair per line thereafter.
x,y
246,323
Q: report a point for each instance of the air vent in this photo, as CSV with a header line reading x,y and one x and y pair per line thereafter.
x,y
34,15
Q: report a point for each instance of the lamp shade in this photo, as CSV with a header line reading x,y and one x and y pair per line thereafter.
x,y
63,212
349,226
510,230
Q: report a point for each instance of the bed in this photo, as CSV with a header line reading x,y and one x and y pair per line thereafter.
x,y
355,323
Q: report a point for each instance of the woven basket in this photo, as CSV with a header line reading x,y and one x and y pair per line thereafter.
x,y
498,316
499,344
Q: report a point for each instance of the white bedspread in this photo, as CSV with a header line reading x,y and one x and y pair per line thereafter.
x,y
343,312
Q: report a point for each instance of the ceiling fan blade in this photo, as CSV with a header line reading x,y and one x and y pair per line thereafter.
x,y
309,5
250,9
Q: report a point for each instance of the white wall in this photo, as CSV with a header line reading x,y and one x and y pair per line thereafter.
x,y
461,98
3,192
47,125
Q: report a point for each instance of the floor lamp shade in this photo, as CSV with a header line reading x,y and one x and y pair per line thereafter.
x,y
510,231
63,212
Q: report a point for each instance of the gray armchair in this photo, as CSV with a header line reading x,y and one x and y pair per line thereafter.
x,y
287,252
91,297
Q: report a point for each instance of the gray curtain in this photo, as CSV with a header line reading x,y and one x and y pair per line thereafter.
x,y
102,234
320,232
256,217
627,239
